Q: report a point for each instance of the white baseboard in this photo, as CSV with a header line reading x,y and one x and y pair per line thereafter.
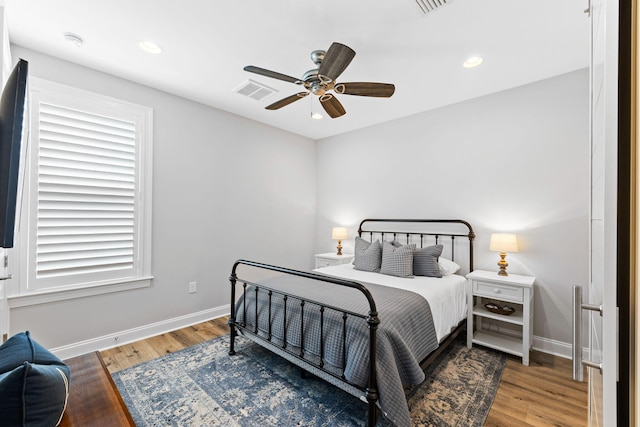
x,y
135,334
557,348
545,345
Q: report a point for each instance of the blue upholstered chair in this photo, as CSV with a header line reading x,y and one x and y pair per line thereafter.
x,y
34,384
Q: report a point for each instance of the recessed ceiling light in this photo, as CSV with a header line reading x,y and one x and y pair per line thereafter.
x,y
150,47
473,61
74,39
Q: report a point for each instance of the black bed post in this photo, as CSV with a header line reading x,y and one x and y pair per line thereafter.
x,y
232,315
472,236
372,388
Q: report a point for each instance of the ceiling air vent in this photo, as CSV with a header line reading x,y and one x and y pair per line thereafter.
x,y
431,5
254,90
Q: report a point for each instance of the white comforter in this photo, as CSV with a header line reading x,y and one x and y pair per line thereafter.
x,y
446,295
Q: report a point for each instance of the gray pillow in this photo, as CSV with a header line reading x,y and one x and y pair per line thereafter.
x,y
397,261
367,255
425,261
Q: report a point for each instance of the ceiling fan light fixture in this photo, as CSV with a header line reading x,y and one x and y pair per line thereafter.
x,y
318,89
150,47
316,116
473,61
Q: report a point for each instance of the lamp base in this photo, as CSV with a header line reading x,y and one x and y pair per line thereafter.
x,y
503,265
339,248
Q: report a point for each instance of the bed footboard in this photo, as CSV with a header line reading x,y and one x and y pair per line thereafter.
x,y
371,318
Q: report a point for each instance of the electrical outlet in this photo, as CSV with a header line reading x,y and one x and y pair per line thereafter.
x,y
193,287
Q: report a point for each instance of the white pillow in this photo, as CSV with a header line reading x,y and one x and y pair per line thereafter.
x,y
447,266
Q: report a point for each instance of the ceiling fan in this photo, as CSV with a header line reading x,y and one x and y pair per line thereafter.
x,y
321,80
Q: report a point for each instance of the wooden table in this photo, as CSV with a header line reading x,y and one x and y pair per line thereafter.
x,y
94,399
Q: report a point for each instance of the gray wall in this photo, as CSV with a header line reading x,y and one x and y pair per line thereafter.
x,y
224,187
514,161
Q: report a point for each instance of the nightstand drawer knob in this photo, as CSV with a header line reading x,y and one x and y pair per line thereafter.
x,y
496,290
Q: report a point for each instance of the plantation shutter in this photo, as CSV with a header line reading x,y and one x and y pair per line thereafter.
x,y
86,192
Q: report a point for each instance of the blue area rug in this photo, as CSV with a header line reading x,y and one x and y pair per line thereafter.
x,y
204,386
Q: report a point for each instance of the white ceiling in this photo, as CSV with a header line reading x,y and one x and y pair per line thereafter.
x,y
206,44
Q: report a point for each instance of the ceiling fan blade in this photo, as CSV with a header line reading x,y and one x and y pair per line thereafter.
x,y
272,74
332,106
336,60
380,90
286,101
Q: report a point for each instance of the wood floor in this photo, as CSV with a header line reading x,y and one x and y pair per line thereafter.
x,y
541,394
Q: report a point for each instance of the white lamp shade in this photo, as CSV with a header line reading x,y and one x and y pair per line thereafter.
x,y
504,243
339,233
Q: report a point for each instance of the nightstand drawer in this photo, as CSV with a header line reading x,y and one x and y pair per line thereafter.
x,y
493,290
331,258
320,263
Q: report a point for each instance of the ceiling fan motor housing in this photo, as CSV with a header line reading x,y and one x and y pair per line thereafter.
x,y
316,83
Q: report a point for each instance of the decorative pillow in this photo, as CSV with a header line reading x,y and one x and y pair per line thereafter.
x,y
397,261
34,394
447,267
21,348
425,261
367,255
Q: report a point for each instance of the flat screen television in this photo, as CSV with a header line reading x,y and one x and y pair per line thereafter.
x,y
12,110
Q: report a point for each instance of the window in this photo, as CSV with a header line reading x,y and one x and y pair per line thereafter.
x,y
87,209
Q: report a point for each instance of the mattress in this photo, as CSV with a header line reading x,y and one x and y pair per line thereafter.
x,y
446,295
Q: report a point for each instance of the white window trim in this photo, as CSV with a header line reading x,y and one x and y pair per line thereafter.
x,y
18,294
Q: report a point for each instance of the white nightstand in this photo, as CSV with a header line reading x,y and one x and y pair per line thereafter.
x,y
328,259
513,290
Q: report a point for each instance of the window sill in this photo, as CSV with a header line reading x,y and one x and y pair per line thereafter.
x,y
52,295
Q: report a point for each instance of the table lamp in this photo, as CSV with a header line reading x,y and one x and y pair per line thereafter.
x,y
339,234
503,243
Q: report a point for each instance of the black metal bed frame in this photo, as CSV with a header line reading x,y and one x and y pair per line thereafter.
x,y
371,390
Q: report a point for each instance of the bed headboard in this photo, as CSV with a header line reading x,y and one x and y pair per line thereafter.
x,y
455,235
